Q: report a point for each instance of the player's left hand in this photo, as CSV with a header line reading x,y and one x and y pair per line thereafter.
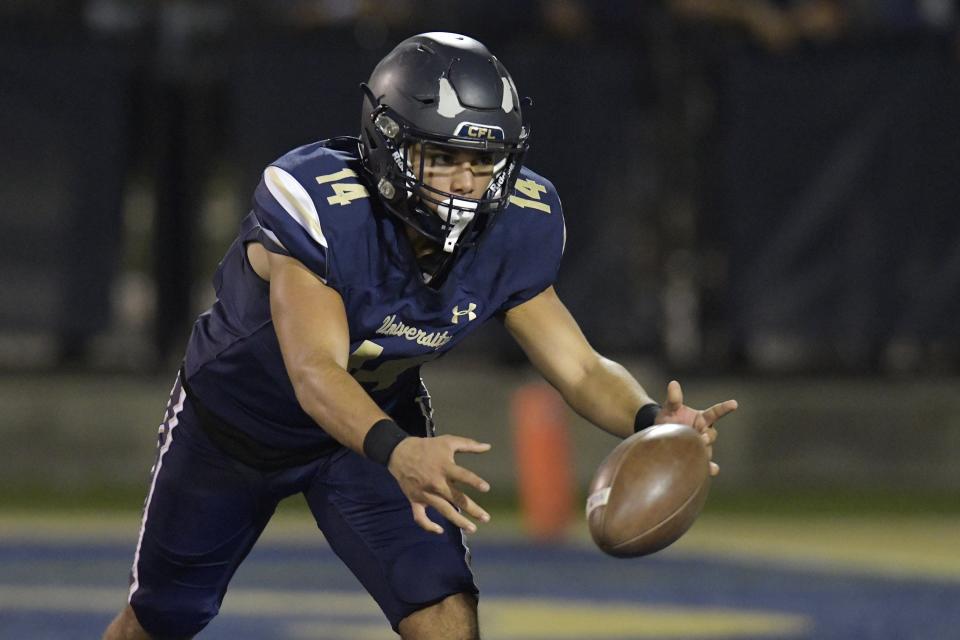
x,y
675,412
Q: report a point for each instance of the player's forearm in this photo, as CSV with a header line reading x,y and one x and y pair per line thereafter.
x,y
608,396
336,402
311,326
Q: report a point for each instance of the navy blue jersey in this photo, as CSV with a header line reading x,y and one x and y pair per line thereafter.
x,y
313,204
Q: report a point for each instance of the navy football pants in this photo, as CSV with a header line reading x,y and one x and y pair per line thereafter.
x,y
205,510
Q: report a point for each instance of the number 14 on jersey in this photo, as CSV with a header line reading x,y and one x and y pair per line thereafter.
x,y
533,191
344,192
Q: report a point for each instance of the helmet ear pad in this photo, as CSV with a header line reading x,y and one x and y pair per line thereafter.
x,y
450,91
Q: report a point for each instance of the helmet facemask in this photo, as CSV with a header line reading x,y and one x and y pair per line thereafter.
x,y
426,162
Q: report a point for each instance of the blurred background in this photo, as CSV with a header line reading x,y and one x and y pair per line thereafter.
x,y
761,194
761,198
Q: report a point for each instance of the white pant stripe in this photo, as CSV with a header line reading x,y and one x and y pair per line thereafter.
x,y
171,422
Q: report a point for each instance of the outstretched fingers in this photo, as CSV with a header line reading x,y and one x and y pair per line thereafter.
x,y
420,517
674,397
468,445
468,506
448,511
463,476
714,413
436,481
451,503
719,410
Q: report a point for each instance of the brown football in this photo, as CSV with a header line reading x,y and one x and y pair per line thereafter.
x,y
648,490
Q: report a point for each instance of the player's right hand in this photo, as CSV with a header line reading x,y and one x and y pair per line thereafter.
x,y
429,476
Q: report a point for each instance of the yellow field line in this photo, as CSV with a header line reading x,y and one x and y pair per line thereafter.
x,y
356,616
915,547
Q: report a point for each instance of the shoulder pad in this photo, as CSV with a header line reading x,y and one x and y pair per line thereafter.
x,y
533,231
299,202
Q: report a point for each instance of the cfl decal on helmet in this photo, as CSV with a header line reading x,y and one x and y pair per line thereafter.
x,y
479,131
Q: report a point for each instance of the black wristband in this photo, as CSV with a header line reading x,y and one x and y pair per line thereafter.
x,y
645,416
382,439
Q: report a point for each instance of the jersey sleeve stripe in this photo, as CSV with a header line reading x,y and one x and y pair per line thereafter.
x,y
295,200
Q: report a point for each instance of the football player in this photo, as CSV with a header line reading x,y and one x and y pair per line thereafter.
x,y
361,260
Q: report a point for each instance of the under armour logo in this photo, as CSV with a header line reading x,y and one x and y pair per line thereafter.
x,y
469,312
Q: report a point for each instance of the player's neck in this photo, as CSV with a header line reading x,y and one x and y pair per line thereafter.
x,y
427,253
423,247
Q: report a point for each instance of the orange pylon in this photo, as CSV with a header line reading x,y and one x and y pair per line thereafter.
x,y
544,466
